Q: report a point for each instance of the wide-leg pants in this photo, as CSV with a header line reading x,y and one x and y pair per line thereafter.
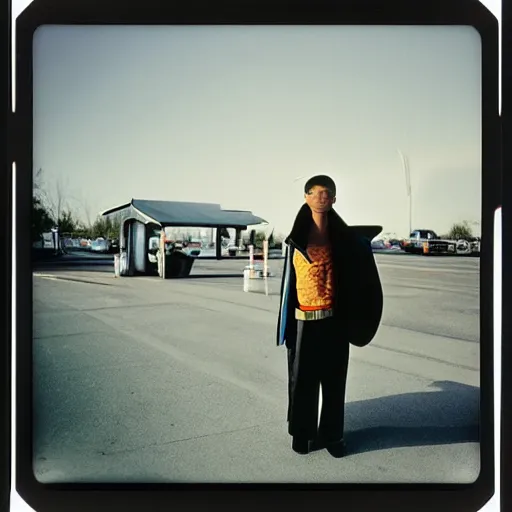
x,y
319,358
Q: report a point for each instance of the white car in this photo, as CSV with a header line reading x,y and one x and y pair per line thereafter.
x,y
99,245
192,248
378,244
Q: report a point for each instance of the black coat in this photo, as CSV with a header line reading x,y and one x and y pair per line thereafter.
x,y
358,298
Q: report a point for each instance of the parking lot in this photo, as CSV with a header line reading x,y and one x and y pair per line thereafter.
x,y
145,380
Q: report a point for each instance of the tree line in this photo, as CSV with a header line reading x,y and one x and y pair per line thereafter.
x,y
460,231
49,211
53,211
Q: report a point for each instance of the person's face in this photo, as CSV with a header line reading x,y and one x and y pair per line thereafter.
x,y
320,199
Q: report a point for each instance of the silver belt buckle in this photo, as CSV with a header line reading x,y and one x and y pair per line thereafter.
x,y
319,314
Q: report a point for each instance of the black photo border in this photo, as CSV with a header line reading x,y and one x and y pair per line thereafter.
x,y
506,225
6,271
358,497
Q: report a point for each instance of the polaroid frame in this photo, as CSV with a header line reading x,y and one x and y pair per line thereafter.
x,y
441,497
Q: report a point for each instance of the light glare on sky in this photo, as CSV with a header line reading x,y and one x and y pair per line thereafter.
x,y
235,115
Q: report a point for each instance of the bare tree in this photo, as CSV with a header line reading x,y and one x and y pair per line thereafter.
x,y
59,201
87,213
41,194
54,199
37,181
84,208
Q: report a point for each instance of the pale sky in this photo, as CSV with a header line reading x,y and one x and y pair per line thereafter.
x,y
235,114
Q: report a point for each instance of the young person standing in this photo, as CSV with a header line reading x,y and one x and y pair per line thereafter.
x,y
331,297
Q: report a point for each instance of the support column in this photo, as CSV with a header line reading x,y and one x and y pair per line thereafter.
x,y
162,252
218,244
129,249
238,237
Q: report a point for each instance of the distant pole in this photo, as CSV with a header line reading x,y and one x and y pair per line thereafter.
x,y
265,264
162,252
298,178
55,238
251,257
407,172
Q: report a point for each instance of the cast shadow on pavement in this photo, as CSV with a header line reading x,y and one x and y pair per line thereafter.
x,y
447,416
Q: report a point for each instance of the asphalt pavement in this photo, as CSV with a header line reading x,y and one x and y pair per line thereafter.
x,y
145,380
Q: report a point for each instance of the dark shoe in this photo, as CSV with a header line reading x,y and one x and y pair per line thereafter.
x,y
337,450
300,445
318,444
315,445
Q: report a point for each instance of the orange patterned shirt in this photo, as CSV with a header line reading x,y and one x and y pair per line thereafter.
x,y
314,280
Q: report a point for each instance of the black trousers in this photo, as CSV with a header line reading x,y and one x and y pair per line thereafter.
x,y
319,358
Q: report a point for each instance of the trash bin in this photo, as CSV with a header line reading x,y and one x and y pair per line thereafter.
x,y
253,278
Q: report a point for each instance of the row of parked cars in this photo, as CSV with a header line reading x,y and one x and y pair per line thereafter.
x,y
98,245
427,242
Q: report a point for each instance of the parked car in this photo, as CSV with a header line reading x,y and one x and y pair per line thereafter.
x,y
469,247
113,246
378,244
426,241
192,247
99,245
385,244
232,249
394,243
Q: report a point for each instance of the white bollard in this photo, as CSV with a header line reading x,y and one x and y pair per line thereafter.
x,y
123,263
251,256
255,281
117,271
265,265
247,279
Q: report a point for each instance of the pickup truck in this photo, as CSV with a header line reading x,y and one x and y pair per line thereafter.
x,y
426,241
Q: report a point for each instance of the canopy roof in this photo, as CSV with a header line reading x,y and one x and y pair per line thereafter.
x,y
178,213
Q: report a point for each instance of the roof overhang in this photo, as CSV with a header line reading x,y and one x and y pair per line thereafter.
x,y
116,209
167,214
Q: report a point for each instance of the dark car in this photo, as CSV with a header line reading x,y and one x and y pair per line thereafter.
x,y
426,241
113,246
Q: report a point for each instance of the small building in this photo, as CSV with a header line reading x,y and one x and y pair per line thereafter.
x,y
143,223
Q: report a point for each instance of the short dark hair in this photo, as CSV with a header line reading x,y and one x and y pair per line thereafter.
x,y
321,180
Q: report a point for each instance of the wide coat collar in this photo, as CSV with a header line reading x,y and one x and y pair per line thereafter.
x,y
338,229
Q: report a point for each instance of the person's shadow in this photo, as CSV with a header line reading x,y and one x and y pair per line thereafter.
x,y
447,416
